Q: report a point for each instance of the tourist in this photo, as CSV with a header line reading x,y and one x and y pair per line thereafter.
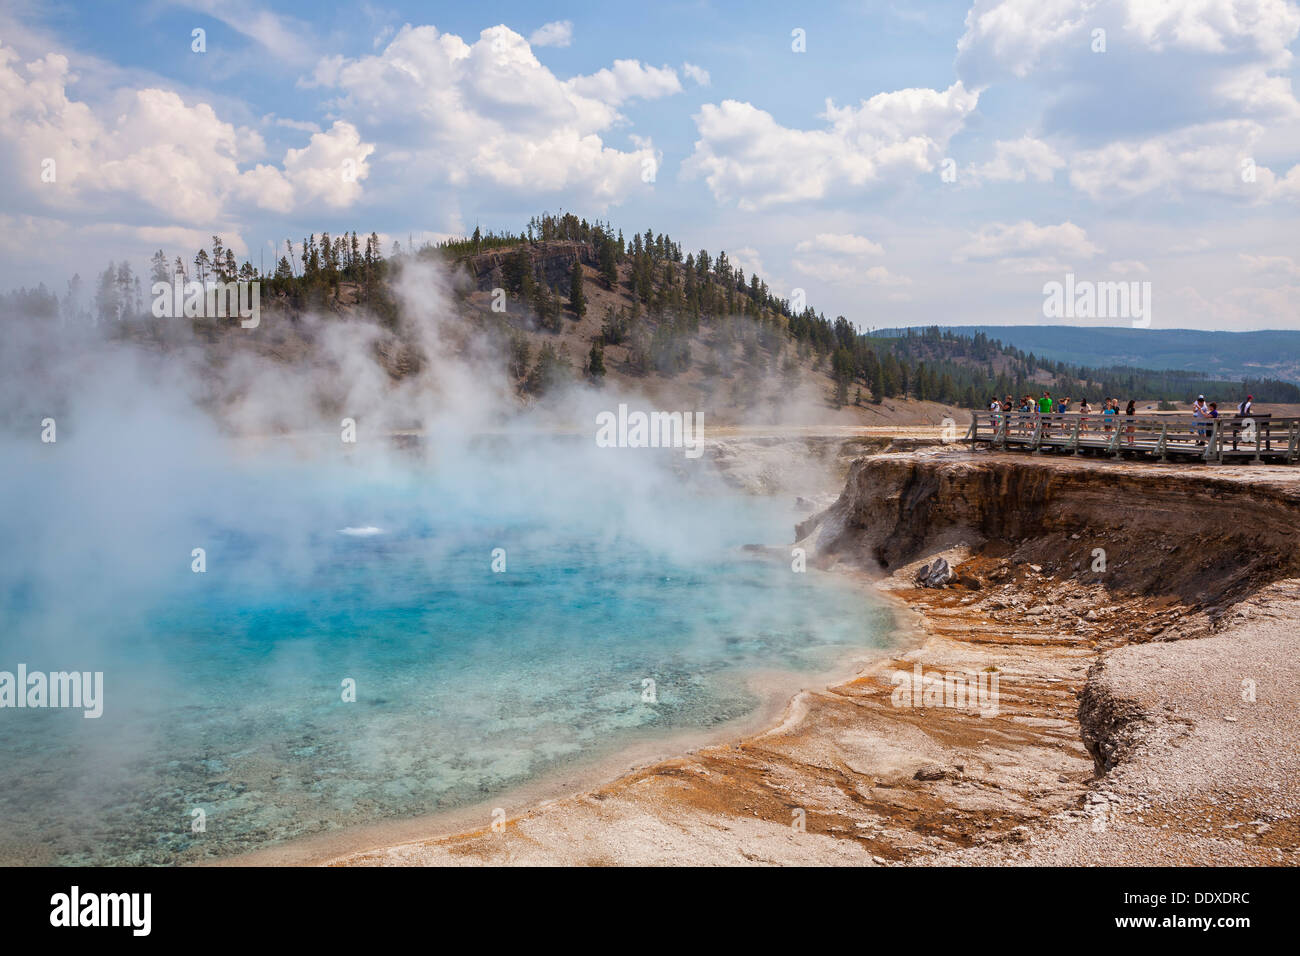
x,y
1130,412
1200,411
1110,409
1243,411
1084,409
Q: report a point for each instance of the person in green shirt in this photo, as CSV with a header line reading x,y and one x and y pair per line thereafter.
x,y
1045,404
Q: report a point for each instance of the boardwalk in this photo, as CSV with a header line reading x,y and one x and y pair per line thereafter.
x,y
1163,437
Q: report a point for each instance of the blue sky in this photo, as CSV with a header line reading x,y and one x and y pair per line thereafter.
x,y
1164,150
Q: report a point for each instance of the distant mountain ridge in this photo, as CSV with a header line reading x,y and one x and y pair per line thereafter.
x,y
1273,353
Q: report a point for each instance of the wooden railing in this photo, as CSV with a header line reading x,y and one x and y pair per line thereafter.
x,y
1179,437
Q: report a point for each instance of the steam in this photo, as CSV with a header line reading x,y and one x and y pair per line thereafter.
x,y
167,446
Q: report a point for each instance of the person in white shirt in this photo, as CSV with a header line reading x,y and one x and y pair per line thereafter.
x,y
1200,410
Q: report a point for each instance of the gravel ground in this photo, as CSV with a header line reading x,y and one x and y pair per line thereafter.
x,y
1210,773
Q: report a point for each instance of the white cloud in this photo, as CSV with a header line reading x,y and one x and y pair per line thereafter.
x,y
1214,158
330,168
627,79
696,73
1011,36
459,112
1019,37
1035,245
1202,83
1257,27
555,33
746,156
846,244
1271,265
1126,267
302,126
840,258
182,161
284,37
748,259
1021,159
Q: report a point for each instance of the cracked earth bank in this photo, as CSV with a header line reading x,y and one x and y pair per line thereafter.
x,y
1141,624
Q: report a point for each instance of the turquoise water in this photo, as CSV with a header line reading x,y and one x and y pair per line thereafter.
x,y
224,689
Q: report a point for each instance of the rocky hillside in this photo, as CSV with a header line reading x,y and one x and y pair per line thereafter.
x,y
1201,538
738,368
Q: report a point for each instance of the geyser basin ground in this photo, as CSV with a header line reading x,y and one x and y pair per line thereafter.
x,y
224,689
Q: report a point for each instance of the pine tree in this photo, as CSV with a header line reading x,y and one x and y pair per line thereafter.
x,y
158,270
596,362
608,264
519,355
577,297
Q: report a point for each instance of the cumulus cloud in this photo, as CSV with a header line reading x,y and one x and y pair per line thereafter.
x,y
746,156
1271,265
1027,247
628,79
181,160
1213,158
696,73
1200,82
555,33
841,258
846,244
1019,160
1125,267
490,111
1019,37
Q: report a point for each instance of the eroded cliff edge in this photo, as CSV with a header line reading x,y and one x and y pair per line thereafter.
x,y
1183,582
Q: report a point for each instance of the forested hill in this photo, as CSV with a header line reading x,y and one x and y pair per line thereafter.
x,y
569,299
1273,353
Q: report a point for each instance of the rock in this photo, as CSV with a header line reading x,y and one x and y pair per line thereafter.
x,y
935,575
930,772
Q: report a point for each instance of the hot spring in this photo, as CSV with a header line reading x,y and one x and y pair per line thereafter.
x,y
371,637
